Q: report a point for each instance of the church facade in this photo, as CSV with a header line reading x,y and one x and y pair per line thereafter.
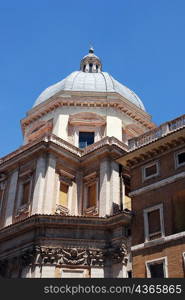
x,y
65,195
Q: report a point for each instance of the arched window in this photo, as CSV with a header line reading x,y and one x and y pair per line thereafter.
x,y
90,68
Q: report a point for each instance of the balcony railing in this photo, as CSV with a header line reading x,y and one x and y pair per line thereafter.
x,y
156,133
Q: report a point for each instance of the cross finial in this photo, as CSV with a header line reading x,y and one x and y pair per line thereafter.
x,y
91,49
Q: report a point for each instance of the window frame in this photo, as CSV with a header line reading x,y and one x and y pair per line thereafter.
x,y
86,132
90,180
86,128
58,200
21,210
163,260
177,165
144,177
147,235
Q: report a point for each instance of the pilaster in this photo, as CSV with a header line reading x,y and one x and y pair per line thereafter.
x,y
50,187
115,186
38,194
104,203
11,198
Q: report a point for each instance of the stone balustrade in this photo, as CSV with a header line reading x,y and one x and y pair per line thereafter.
x,y
156,133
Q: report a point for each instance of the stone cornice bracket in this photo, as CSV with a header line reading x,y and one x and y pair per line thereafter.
x,y
61,210
119,254
30,256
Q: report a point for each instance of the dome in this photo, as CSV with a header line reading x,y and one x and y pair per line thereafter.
x,y
90,78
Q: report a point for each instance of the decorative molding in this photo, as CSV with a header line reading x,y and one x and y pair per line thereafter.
x,y
22,211
158,184
121,104
159,241
48,138
91,211
38,255
87,119
61,210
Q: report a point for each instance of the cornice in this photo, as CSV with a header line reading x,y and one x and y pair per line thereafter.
x,y
50,221
157,242
158,184
50,142
154,147
89,100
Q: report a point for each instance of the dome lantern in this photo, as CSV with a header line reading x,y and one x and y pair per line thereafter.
x,y
91,63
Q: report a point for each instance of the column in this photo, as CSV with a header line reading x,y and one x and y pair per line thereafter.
x,y
11,198
50,187
38,194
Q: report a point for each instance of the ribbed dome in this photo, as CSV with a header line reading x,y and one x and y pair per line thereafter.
x,y
92,82
90,78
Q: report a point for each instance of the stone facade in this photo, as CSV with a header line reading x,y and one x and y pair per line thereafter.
x,y
63,210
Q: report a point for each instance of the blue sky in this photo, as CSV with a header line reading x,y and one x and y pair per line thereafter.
x,y
141,43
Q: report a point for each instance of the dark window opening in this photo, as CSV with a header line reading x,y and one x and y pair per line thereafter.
x,y
154,221
181,158
129,274
86,139
91,195
179,211
152,170
25,193
84,68
90,68
128,231
157,270
96,68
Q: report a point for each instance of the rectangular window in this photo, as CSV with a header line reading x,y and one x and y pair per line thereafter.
x,y
91,201
150,170
25,192
86,139
179,211
157,268
63,195
153,222
180,159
